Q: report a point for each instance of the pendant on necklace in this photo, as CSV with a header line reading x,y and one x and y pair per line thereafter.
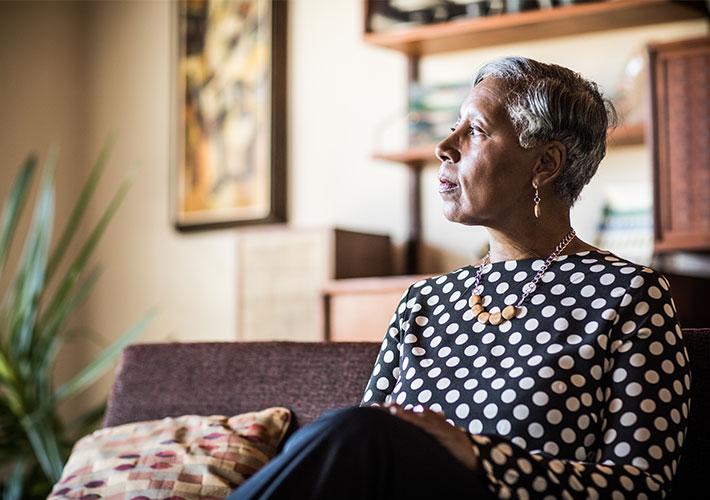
x,y
475,302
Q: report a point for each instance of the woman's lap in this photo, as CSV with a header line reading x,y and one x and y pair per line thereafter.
x,y
363,452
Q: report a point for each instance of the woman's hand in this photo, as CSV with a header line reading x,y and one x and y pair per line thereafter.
x,y
452,438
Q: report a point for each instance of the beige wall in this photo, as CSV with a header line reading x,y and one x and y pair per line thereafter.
x,y
42,86
77,72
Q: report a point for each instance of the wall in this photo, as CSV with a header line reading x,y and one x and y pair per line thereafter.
x,y
42,84
103,67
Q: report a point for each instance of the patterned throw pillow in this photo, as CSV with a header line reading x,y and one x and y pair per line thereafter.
x,y
178,458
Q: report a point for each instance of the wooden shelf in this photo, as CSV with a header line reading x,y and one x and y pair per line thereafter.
x,y
628,135
533,24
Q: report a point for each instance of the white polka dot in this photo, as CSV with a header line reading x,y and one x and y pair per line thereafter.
x,y
521,412
475,426
576,278
540,398
531,324
598,303
462,410
452,396
548,311
503,427
568,301
382,383
424,396
561,324
607,279
490,410
480,396
622,449
636,282
536,430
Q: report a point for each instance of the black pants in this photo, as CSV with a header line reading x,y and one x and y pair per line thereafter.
x,y
363,453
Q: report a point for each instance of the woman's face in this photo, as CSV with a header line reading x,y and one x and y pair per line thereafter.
x,y
491,172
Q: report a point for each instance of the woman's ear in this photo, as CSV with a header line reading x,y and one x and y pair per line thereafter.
x,y
551,161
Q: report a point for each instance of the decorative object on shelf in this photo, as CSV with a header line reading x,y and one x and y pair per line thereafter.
x,y
392,15
630,94
228,165
626,225
433,110
474,8
523,5
400,14
573,2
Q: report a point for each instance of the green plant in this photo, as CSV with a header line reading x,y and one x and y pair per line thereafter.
x,y
34,441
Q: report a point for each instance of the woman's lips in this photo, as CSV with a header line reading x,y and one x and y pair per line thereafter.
x,y
447,187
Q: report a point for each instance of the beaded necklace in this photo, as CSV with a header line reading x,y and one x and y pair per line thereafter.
x,y
510,311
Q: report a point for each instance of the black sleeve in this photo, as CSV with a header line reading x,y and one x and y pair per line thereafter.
x,y
647,383
386,370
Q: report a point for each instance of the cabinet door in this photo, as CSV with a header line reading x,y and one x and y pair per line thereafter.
x,y
680,135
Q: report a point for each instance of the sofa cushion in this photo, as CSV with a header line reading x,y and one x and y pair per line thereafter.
x,y
190,456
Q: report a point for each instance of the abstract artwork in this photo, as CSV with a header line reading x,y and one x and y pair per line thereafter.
x,y
229,119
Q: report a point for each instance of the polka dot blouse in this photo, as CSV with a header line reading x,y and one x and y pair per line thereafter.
x,y
584,394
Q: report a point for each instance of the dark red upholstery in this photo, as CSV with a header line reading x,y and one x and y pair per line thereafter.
x,y
160,380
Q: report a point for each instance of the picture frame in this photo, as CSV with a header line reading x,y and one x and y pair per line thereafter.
x,y
228,113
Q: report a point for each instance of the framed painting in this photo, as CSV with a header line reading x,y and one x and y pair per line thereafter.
x,y
228,113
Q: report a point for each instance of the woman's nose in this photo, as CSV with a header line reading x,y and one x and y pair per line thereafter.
x,y
445,150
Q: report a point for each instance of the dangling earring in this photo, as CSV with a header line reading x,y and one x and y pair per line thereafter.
x,y
537,202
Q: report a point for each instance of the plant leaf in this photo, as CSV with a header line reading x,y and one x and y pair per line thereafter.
x,y
86,250
100,364
49,329
23,300
13,207
44,443
14,484
80,208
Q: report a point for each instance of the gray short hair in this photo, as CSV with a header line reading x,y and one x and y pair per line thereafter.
x,y
549,102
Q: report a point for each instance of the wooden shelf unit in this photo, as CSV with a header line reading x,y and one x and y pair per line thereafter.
x,y
566,20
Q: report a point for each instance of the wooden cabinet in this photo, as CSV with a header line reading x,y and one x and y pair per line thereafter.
x,y
360,309
680,111
281,270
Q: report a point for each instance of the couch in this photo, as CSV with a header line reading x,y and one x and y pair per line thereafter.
x,y
170,379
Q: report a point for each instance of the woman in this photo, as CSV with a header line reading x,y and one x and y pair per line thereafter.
x,y
551,369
